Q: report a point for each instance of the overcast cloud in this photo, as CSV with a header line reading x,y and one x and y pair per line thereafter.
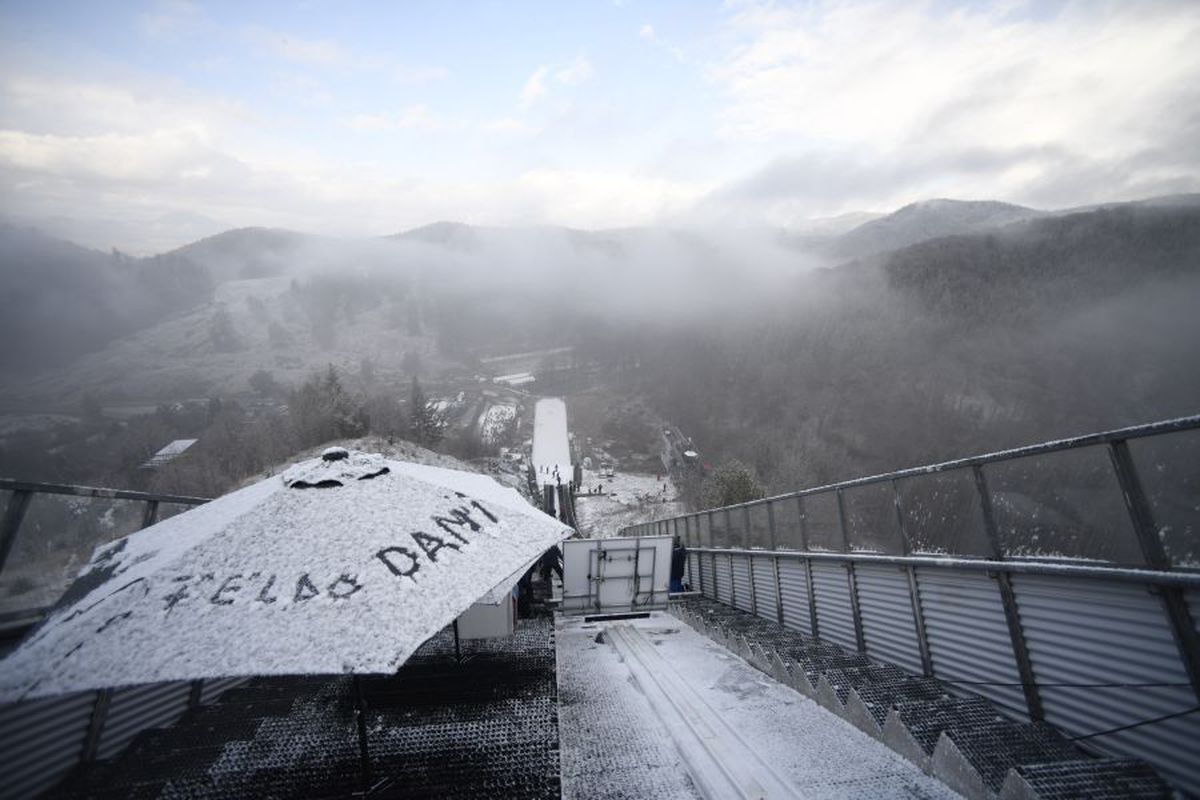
x,y
145,126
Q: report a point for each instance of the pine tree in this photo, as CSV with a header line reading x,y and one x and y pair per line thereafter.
x,y
322,410
426,426
731,483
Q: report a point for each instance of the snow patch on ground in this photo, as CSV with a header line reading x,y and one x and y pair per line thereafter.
x,y
496,421
628,498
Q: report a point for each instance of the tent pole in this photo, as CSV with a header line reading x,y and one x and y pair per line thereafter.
x,y
360,718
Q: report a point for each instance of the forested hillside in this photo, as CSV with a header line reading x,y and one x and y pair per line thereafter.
x,y
946,348
59,301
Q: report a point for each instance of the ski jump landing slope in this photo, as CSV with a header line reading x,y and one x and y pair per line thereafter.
x,y
550,447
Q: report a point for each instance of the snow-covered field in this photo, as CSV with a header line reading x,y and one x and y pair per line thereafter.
x,y
496,421
628,498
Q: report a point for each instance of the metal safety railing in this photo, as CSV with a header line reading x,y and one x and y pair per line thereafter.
x,y
1061,580
45,738
22,494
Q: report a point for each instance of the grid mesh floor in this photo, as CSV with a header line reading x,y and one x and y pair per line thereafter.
x,y
486,727
990,744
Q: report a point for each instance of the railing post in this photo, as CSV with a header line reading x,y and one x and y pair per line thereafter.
x,y
803,521
1174,602
842,521
753,588
91,742
778,591
808,578
712,543
1012,616
851,578
18,504
914,590
771,525
859,634
914,595
151,514
195,693
732,582
812,598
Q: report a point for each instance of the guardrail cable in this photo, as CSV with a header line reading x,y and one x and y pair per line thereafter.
x,y
1138,724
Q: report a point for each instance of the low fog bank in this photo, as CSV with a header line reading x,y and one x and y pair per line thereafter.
x,y
951,347
483,289
760,346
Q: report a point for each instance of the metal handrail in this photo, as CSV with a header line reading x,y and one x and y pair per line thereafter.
x,y
1042,448
1170,580
23,492
9,484
1186,580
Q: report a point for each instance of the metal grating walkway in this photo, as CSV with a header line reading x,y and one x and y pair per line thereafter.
x,y
965,742
484,728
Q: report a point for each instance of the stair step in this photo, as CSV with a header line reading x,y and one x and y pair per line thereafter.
x,y
926,719
1095,778
995,748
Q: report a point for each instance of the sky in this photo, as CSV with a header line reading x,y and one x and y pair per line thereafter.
x,y
145,125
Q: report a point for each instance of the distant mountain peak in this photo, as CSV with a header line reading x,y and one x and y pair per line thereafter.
x,y
930,219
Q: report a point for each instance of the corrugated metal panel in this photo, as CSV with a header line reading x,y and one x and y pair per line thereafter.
x,y
1193,602
793,586
40,740
707,563
213,689
721,579
764,587
741,583
835,618
968,636
137,708
887,615
1094,632
693,573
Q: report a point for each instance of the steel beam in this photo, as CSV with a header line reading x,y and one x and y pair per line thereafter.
x,y
18,504
1012,614
1175,605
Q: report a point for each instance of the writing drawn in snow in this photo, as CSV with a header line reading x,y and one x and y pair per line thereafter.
x,y
403,558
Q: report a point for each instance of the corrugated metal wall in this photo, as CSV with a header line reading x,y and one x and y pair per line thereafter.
x,y
213,689
1090,632
138,708
40,740
887,615
765,598
705,564
693,571
708,579
968,636
835,616
742,599
1193,602
793,587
